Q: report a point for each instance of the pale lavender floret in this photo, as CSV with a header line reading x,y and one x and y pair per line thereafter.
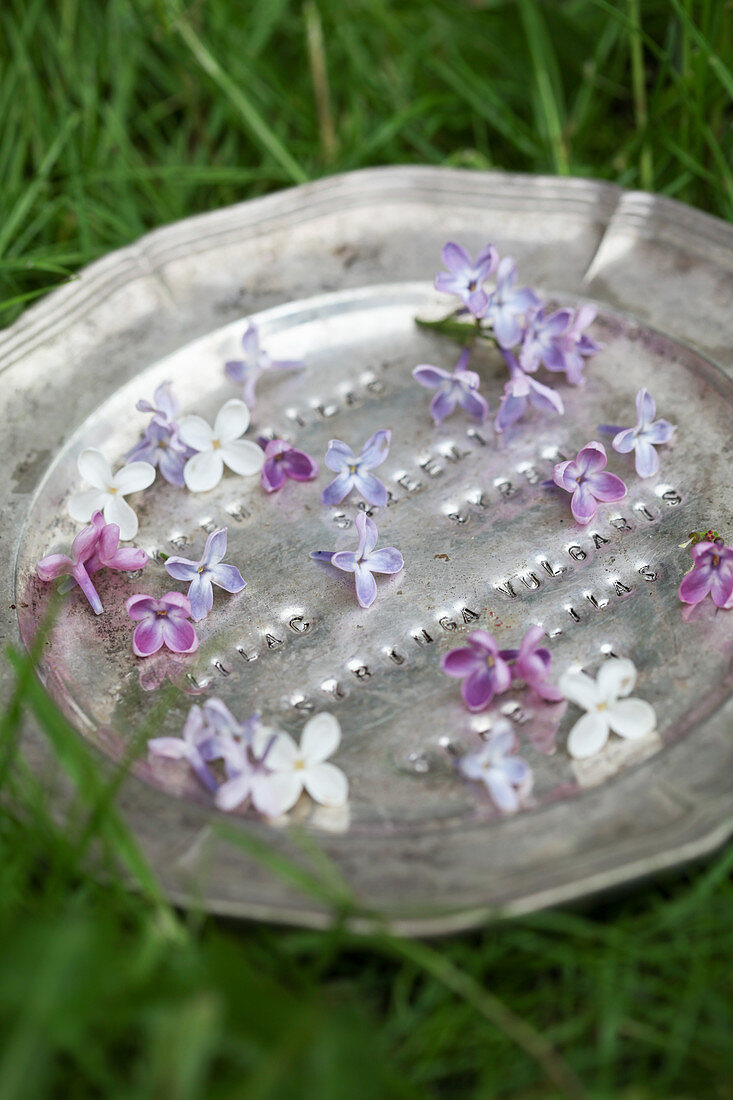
x,y
509,306
712,573
365,561
576,346
483,668
542,341
531,663
355,473
162,622
508,778
256,362
248,776
210,570
458,388
465,277
198,744
521,390
161,445
589,482
644,437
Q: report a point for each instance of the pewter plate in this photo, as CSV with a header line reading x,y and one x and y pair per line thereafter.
x,y
335,273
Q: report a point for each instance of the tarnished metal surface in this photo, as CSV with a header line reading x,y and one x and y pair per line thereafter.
x,y
484,543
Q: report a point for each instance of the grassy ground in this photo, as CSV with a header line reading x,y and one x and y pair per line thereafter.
x,y
120,115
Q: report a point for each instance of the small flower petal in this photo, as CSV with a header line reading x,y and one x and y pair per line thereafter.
x,y
327,784
588,736
118,511
320,738
243,457
95,468
203,471
232,421
632,718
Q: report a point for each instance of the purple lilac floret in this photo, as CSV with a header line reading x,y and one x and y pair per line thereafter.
x,y
644,437
542,341
458,388
365,561
465,277
508,778
355,473
483,668
531,663
203,574
284,461
521,390
589,482
199,744
95,547
712,573
160,444
255,362
509,306
576,346
162,622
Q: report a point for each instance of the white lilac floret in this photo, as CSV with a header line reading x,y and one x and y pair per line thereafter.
x,y
254,363
109,490
162,622
297,768
160,444
365,561
712,574
219,446
607,706
203,574
644,437
355,473
507,777
95,547
589,482
466,277
457,388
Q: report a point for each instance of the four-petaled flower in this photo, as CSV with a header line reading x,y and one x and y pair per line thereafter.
x,y
607,707
543,341
219,446
588,480
354,473
466,278
483,668
365,561
94,548
531,663
520,390
255,363
305,768
109,491
508,306
247,769
205,573
282,461
161,622
643,438
508,778
575,346
160,444
199,744
460,387
712,572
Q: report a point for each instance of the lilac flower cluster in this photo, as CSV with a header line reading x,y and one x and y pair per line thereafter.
x,y
161,444
526,334
243,763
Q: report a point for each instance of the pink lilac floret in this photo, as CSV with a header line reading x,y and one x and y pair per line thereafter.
x,y
531,663
365,561
95,547
457,388
283,461
355,473
712,574
255,362
509,306
162,622
507,777
520,391
642,439
588,481
483,668
203,574
466,277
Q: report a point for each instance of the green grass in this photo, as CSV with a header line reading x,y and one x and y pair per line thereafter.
x,y
121,115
